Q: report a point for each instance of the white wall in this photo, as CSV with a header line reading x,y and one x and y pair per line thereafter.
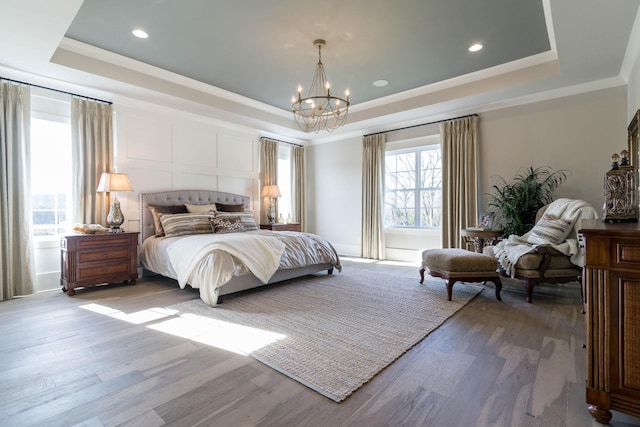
x,y
577,133
165,149
334,172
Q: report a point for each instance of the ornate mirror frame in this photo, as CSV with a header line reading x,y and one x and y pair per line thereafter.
x,y
634,140
634,146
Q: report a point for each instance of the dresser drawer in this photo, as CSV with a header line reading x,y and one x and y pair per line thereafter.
x,y
106,255
103,270
626,254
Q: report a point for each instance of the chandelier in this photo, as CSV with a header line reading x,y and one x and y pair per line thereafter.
x,y
319,109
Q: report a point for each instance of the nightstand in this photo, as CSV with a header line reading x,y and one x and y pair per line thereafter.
x,y
281,227
92,259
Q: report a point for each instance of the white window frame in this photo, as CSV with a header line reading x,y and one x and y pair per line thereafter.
x,y
417,190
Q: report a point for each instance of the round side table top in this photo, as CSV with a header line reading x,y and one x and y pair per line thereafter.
x,y
483,234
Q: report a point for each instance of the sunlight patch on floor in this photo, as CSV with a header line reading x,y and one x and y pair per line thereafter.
x,y
217,333
137,318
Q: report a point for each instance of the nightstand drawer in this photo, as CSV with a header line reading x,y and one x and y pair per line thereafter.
x,y
101,240
281,227
115,254
85,273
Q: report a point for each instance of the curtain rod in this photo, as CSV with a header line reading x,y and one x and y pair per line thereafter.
x,y
284,142
423,124
56,90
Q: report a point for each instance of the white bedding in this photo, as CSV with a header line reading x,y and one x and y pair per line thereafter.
x,y
209,261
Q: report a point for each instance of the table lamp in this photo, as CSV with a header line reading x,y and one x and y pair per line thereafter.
x,y
114,182
271,191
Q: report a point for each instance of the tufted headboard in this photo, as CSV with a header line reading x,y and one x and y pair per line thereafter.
x,y
180,197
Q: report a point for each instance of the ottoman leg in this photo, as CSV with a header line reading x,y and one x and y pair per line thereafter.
x,y
421,275
450,283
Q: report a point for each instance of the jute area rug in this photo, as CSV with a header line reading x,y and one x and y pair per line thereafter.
x,y
336,332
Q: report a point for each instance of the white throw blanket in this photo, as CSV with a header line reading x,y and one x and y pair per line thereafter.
x,y
509,251
260,254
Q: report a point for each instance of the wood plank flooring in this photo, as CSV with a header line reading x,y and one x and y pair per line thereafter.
x,y
97,359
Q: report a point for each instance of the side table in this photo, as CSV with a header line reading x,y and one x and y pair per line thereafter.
x,y
92,259
479,237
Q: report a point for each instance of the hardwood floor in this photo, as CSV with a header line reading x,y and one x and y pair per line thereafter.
x,y
95,359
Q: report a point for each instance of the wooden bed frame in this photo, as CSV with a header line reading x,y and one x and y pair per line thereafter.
x,y
204,197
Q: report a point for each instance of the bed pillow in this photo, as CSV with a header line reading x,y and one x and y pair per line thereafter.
x,y
550,229
200,208
185,224
246,218
156,210
221,207
230,224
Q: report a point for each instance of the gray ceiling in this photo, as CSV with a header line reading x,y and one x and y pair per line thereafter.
x,y
239,62
263,49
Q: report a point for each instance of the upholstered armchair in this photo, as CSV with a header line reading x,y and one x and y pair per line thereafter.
x,y
549,252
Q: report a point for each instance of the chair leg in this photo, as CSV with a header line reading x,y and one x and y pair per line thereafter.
x,y
529,284
421,275
498,284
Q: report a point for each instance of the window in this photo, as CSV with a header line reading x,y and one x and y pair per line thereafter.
x,y
413,187
50,164
284,181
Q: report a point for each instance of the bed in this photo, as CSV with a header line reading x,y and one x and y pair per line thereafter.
x,y
219,264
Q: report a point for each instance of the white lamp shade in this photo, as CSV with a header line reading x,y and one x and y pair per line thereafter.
x,y
271,191
114,182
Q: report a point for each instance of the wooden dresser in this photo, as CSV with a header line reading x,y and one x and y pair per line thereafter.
x,y
88,260
612,303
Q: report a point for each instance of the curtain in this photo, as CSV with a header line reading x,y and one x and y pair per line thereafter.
x,y
373,196
91,142
268,173
298,186
17,268
459,140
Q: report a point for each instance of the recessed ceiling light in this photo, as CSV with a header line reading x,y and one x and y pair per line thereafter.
x,y
380,83
475,47
141,34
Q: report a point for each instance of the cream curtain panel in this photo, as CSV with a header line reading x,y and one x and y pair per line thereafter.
x,y
459,140
373,196
91,142
298,186
268,172
17,268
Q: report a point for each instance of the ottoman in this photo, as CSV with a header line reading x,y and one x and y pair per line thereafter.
x,y
460,265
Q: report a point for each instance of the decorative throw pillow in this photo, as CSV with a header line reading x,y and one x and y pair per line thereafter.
x,y
156,210
227,225
221,207
550,230
186,223
200,208
246,218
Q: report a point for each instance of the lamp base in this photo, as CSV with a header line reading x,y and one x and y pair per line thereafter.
x,y
115,218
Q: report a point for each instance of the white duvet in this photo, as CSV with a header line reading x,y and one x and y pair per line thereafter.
x,y
208,261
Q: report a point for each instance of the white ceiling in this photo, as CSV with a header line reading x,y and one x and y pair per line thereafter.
x,y
242,61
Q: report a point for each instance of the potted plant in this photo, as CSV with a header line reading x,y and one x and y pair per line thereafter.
x,y
518,202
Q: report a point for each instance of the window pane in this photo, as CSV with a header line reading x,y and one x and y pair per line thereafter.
x,y
50,176
284,181
413,197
